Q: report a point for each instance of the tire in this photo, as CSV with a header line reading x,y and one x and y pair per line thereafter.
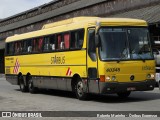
x,y
124,94
31,87
81,95
23,87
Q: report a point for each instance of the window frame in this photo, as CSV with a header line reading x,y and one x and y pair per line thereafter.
x,y
29,43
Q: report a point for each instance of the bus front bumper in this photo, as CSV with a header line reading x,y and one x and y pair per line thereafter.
x,y
115,87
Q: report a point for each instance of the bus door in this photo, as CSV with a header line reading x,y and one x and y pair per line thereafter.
x,y
93,82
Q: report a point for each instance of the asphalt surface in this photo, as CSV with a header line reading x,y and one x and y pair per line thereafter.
x,y
12,99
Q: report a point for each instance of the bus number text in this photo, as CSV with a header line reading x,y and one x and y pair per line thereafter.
x,y
113,70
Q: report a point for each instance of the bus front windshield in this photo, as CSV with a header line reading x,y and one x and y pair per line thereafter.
x,y
124,44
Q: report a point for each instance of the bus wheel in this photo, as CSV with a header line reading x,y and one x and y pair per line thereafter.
x,y
124,94
22,86
31,87
81,95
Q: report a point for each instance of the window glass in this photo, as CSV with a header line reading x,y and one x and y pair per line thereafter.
x,y
40,43
91,45
35,45
113,44
80,38
24,46
66,41
52,42
18,47
139,43
9,48
46,44
124,43
29,45
60,43
77,38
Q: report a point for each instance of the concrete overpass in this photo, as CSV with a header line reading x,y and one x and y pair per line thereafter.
x,y
56,10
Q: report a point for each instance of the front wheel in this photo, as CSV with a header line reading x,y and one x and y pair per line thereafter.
x,y
124,94
79,90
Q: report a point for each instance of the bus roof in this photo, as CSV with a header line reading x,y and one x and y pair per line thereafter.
x,y
77,23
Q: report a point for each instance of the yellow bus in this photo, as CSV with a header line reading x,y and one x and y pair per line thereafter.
x,y
83,55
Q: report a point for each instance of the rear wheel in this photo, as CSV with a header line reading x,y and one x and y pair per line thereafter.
x,y
22,85
124,94
31,87
79,90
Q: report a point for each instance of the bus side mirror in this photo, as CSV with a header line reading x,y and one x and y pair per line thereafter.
x,y
97,40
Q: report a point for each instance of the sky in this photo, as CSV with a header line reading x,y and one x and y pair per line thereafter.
x,y
12,7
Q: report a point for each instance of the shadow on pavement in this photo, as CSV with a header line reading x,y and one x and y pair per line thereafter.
x,y
109,98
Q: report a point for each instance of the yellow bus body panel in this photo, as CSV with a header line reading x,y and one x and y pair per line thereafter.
x,y
49,64
125,69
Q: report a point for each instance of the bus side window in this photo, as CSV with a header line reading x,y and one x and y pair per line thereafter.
x,y
18,47
66,38
9,48
91,44
77,38
59,42
52,42
24,46
40,43
29,45
46,44
15,47
80,38
35,45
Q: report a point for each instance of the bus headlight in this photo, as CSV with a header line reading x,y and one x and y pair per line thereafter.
x,y
150,76
107,78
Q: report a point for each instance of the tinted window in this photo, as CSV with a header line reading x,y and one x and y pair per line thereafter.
x,y
60,41
77,38
91,45
9,48
66,38
52,42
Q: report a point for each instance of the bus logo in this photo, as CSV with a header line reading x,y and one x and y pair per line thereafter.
x,y
16,66
69,72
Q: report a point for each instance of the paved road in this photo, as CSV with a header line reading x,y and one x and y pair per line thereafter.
x,y
11,99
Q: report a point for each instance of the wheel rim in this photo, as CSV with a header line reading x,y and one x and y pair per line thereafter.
x,y
80,88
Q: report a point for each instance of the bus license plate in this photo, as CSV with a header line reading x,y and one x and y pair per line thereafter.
x,y
131,89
